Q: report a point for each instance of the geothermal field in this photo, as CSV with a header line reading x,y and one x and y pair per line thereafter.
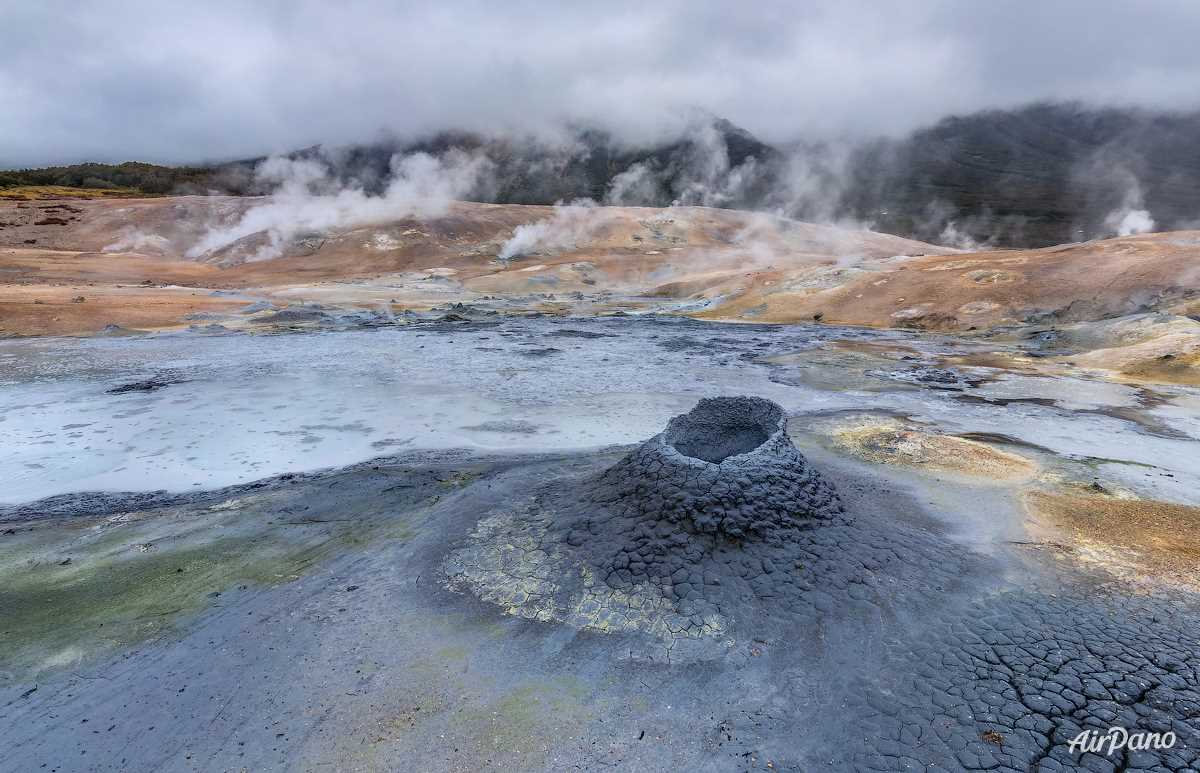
x,y
516,487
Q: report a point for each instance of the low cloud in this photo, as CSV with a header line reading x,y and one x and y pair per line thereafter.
x,y
144,80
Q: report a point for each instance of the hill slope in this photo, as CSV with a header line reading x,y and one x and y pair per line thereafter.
x,y
713,263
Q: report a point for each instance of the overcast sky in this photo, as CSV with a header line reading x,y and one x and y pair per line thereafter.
x,y
187,81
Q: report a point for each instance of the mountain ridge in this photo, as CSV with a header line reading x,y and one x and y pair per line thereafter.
x,y
1043,174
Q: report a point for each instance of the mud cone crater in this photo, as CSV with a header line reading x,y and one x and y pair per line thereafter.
x,y
717,511
710,501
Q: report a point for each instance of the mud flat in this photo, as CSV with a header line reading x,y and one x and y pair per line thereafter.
x,y
884,567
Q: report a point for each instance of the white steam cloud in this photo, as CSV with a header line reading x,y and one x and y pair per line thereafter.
x,y
307,201
135,240
572,224
812,185
1131,217
637,186
1130,222
710,180
802,182
1112,184
954,236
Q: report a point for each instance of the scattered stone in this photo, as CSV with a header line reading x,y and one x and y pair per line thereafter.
x,y
571,333
294,314
933,378
390,442
152,384
514,426
212,328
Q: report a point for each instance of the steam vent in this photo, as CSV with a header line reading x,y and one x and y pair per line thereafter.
x,y
716,511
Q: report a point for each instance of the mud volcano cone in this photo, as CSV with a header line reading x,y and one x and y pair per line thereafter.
x,y
704,503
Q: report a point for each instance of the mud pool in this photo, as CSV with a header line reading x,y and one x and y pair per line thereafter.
x,y
227,409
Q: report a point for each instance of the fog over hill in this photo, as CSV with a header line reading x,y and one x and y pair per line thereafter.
x,y
1040,175
1045,174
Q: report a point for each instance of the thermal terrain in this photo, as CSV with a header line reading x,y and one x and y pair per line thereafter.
x,y
501,486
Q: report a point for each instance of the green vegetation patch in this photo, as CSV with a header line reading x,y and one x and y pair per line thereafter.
x,y
132,177
69,591
41,192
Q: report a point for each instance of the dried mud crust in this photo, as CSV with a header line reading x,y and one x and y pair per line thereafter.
x,y
1007,686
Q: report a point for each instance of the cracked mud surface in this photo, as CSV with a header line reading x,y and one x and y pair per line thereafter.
x,y
1031,671
998,681
895,647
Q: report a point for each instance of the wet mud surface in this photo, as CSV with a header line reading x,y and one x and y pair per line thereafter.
x,y
234,408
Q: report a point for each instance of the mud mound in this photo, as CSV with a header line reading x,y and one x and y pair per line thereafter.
x,y
715,530
713,502
728,469
888,441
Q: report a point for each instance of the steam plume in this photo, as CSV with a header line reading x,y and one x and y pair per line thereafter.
x,y
571,225
307,200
